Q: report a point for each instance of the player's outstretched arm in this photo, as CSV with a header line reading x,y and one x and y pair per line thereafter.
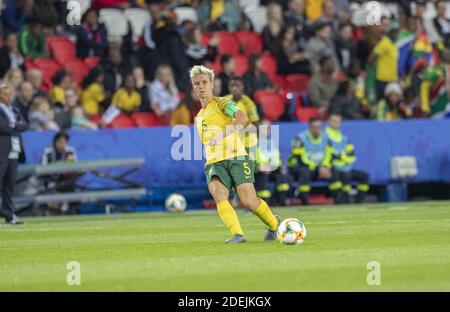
x,y
240,121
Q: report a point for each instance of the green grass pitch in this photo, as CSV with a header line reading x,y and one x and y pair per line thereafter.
x,y
181,252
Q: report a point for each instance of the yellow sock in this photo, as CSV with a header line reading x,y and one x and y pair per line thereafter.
x,y
265,214
229,217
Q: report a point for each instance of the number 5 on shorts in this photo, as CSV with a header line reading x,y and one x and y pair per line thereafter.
x,y
247,169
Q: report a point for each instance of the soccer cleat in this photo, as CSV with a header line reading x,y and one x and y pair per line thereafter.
x,y
272,235
14,221
236,239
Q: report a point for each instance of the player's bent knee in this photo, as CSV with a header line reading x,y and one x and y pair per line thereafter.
x,y
250,203
218,191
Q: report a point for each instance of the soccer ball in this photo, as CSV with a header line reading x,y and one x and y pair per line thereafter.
x,y
291,232
176,203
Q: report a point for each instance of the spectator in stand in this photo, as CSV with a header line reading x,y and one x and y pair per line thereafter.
x,y
220,14
10,56
113,70
323,85
61,80
35,77
391,107
441,22
13,78
23,99
46,12
217,86
314,9
170,49
421,8
142,87
32,41
154,8
345,102
79,120
102,4
296,17
343,10
283,3
92,37
255,79
228,67
93,94
329,15
274,25
184,113
321,44
385,57
71,100
16,14
41,117
291,59
344,46
195,51
127,98
358,78
164,93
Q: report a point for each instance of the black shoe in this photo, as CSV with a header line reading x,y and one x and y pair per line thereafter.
x,y
14,221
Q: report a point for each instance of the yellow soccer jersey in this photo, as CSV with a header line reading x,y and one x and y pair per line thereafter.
x,y
246,105
212,120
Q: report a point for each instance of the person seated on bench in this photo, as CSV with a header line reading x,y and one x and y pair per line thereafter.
x,y
269,168
310,159
60,151
343,160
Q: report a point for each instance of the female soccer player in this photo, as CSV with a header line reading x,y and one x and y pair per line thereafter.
x,y
220,125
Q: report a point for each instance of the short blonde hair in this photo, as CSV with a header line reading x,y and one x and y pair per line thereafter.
x,y
201,70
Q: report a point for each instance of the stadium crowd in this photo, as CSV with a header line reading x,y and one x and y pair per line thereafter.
x,y
298,59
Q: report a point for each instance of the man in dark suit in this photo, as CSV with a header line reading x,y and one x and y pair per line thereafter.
x,y
442,23
12,124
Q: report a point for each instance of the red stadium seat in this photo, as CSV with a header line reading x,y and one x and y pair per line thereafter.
x,y
91,61
228,43
204,39
62,49
144,120
304,114
250,42
122,121
77,69
280,82
272,103
29,63
48,67
241,64
298,82
95,118
269,65
216,66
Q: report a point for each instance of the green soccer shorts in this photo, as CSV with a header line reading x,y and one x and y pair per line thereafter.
x,y
231,172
